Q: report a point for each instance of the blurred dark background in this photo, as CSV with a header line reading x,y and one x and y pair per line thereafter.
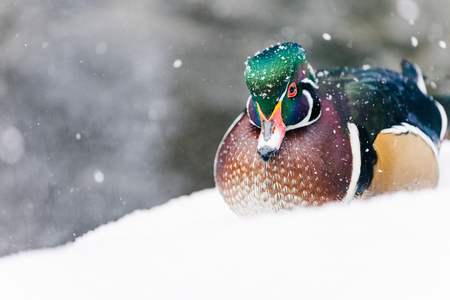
x,y
111,106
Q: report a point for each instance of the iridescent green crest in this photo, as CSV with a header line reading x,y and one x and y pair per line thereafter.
x,y
269,73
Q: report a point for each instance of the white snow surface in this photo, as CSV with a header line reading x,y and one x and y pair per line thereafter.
x,y
193,247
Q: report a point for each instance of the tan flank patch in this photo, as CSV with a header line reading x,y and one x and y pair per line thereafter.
x,y
405,161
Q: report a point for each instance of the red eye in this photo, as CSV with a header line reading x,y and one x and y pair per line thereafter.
x,y
292,90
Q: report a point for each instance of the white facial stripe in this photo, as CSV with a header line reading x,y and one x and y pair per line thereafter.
x,y
311,70
282,96
248,101
408,128
312,83
444,120
356,161
305,121
248,106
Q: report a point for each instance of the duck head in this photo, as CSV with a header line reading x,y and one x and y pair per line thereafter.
x,y
283,94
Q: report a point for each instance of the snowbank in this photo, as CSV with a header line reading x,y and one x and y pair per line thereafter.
x,y
194,247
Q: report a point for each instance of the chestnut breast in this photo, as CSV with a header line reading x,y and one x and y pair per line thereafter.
x,y
313,166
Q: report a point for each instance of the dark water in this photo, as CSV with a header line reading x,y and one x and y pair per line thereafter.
x,y
98,118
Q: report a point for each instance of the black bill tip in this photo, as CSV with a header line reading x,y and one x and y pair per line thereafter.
x,y
266,153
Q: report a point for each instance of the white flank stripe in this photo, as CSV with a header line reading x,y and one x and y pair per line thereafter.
x,y
408,128
356,162
420,81
444,120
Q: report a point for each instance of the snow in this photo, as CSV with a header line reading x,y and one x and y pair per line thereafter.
x,y
326,36
414,41
99,177
177,63
194,247
408,10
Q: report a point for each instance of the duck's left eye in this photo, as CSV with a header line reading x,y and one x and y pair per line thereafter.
x,y
292,90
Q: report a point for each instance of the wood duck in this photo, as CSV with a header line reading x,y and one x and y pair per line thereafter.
x,y
307,137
